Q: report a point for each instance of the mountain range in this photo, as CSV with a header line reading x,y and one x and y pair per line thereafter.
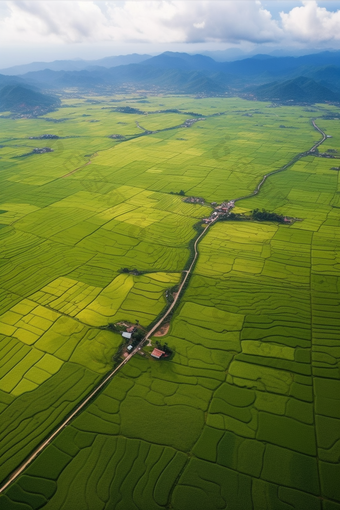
x,y
75,65
305,79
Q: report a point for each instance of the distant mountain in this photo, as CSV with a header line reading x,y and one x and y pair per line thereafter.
x,y
268,66
183,61
328,76
256,65
75,65
57,80
19,99
301,90
133,75
10,80
198,74
226,55
121,60
261,56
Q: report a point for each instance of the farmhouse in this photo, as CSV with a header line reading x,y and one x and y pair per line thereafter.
x,y
157,353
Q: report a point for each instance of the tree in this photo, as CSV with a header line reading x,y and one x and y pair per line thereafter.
x,y
137,335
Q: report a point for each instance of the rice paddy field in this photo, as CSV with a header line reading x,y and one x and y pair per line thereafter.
x,y
246,415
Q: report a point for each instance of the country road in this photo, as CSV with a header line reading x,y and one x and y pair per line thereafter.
x,y
324,136
187,274
41,447
287,165
110,375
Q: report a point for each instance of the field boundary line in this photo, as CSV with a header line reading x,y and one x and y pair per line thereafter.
x,y
188,272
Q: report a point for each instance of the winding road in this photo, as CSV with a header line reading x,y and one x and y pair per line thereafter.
x,y
110,375
290,163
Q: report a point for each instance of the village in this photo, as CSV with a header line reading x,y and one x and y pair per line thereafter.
x,y
132,334
219,211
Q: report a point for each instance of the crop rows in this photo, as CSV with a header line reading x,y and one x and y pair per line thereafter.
x,y
246,414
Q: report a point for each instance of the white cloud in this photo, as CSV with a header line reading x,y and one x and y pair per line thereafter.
x,y
145,21
199,25
312,23
52,22
163,21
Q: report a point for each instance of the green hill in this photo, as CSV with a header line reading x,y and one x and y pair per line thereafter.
x,y
298,90
19,99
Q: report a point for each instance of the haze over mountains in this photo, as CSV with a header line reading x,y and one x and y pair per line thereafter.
x,y
307,79
75,65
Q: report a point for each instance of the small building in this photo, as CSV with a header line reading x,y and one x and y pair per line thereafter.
x,y
224,209
126,335
157,353
129,348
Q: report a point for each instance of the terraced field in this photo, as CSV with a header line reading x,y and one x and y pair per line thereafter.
x,y
246,415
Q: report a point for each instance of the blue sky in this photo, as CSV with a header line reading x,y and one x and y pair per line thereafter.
x,y
58,29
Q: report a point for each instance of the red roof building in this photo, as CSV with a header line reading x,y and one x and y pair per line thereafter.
x,y
157,353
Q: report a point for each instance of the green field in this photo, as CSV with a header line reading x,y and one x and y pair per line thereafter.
x,y
246,415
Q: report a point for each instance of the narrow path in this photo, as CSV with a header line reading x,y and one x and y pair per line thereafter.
x,y
141,127
76,169
290,163
187,274
108,377
81,406
146,132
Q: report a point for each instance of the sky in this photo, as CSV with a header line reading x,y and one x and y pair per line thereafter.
x,y
63,29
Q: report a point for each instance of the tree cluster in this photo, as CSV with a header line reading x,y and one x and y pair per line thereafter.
x,y
182,193
164,348
266,216
130,271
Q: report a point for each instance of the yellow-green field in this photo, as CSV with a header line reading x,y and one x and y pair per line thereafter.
x,y
246,415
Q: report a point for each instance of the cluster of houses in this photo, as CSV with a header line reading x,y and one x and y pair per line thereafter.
x,y
328,155
41,150
220,210
44,137
127,335
190,122
195,200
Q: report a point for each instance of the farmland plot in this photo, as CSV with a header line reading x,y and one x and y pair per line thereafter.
x,y
246,414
